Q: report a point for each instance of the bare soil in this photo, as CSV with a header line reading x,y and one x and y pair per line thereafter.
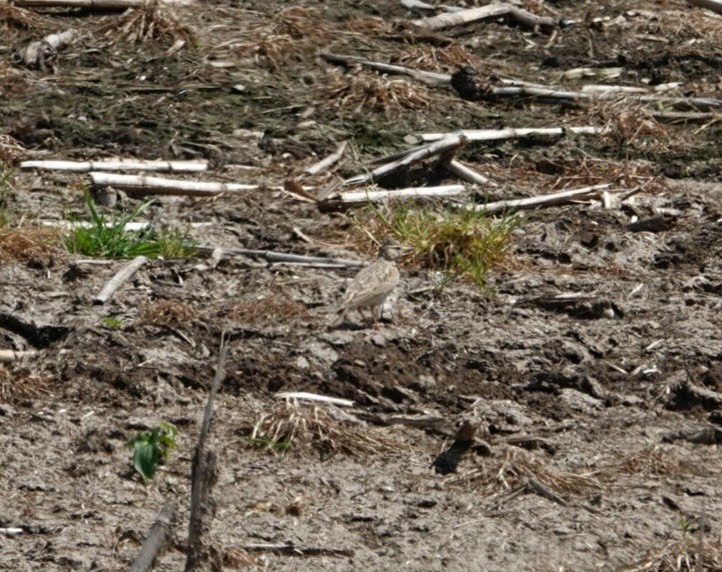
x,y
597,447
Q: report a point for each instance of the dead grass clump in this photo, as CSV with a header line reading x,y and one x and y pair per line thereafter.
x,y
629,125
369,27
152,22
307,427
31,245
171,313
11,151
514,467
18,385
271,308
369,91
656,461
431,58
12,81
686,555
588,171
12,17
237,558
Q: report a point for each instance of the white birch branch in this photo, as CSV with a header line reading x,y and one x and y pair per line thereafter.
x,y
325,163
157,186
363,197
12,355
468,174
490,11
514,133
302,395
541,201
117,165
119,279
425,76
713,5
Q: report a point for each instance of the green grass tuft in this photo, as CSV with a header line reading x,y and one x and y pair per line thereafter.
x,y
462,243
106,236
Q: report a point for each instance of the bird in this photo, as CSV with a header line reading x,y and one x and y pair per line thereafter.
x,y
373,284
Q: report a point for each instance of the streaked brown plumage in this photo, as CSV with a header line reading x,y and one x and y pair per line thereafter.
x,y
372,285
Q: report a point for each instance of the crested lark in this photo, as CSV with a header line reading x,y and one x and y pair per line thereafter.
x,y
372,285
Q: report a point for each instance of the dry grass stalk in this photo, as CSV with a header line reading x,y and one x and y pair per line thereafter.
x,y
11,151
372,92
31,245
12,17
444,59
369,27
273,307
238,558
629,124
153,22
513,467
656,461
681,556
307,427
16,386
171,313
622,174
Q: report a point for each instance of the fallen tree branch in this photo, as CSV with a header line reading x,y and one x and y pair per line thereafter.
x,y
541,201
359,198
155,540
468,174
99,5
324,164
491,11
12,355
425,76
202,555
516,133
117,165
713,5
142,185
304,396
119,279
284,257
449,143
293,550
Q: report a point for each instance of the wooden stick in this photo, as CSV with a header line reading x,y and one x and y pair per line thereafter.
x,y
278,257
99,5
328,161
468,174
156,539
140,184
365,197
713,5
12,355
444,145
491,11
119,279
204,474
117,165
515,133
425,76
543,200
293,550
302,395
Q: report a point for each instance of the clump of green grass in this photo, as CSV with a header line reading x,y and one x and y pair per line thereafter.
x,y
461,243
5,196
106,236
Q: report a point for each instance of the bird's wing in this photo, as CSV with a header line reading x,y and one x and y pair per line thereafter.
x,y
373,281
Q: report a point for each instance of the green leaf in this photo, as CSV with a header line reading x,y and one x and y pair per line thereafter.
x,y
145,460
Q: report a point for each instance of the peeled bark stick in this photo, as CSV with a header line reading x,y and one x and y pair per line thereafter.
x,y
284,257
425,76
514,133
304,396
40,52
713,5
119,279
12,355
117,165
541,201
328,161
156,539
448,143
202,555
140,184
468,174
364,197
491,11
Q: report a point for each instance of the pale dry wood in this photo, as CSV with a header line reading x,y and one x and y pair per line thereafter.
x,y
41,51
515,133
304,396
202,555
12,355
684,117
293,550
468,174
713,5
140,184
327,162
133,226
96,4
551,199
425,76
448,143
284,257
490,11
119,279
117,165
156,538
364,197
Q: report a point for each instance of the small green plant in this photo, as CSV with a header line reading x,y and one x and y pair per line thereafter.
x,y
152,447
4,196
461,242
107,237
261,442
112,323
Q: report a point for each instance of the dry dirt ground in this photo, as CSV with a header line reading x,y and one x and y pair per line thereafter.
x,y
590,363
